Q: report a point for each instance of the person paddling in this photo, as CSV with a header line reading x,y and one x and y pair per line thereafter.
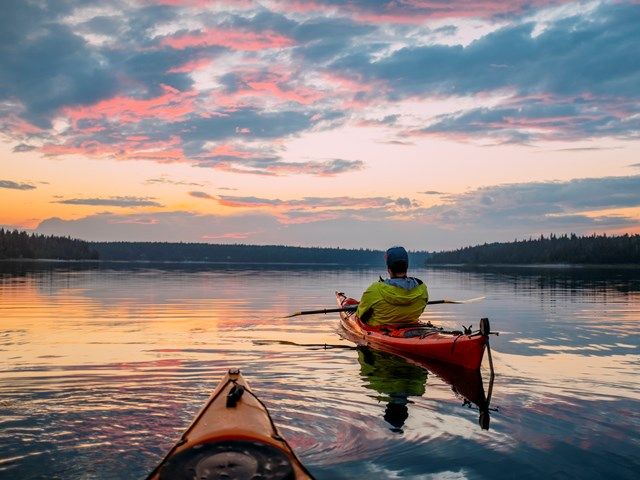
x,y
396,300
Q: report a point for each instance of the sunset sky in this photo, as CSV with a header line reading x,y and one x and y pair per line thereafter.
x,y
431,124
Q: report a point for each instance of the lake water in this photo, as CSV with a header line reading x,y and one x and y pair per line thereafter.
x,y
101,369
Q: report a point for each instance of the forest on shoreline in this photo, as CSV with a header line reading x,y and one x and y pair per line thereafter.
x,y
21,245
240,253
16,244
564,249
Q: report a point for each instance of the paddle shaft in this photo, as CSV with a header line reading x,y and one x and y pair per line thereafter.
x,y
350,308
353,308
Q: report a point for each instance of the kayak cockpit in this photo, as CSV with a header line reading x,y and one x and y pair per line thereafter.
x,y
229,460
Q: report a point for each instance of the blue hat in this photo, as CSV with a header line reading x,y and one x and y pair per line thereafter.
x,y
397,257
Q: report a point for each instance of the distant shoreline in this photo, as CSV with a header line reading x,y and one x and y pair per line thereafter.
x,y
322,264
535,265
175,262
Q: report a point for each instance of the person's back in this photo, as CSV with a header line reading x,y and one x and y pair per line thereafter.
x,y
396,300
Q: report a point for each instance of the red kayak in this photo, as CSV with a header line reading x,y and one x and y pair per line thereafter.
x,y
421,341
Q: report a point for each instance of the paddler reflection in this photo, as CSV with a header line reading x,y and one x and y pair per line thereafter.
x,y
397,379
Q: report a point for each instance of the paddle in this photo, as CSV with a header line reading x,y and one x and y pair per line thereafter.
x,y
353,308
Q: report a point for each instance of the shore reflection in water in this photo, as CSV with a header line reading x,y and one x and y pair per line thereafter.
x,y
396,379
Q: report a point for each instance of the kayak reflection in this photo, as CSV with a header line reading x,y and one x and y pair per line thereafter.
x,y
396,379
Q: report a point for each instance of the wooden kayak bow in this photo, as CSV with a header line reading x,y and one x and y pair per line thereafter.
x,y
353,308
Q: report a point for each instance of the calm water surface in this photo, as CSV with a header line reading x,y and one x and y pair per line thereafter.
x,y
101,369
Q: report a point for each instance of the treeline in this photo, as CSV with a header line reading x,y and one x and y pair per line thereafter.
x,y
240,253
17,244
593,249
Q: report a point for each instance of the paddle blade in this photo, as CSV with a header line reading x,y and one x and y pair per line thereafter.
x,y
471,300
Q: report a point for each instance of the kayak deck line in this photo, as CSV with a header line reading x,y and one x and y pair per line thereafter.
x,y
465,348
232,437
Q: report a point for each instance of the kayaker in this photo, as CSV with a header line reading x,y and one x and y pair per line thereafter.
x,y
398,299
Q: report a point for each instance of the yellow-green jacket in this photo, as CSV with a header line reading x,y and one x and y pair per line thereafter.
x,y
383,303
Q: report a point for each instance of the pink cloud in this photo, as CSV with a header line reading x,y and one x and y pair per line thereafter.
x,y
132,221
133,148
353,92
309,204
265,160
415,12
280,168
242,203
171,105
312,218
303,96
17,126
301,6
227,150
369,122
192,66
229,236
412,12
316,168
279,84
163,156
243,4
232,39
313,209
344,83
531,118
269,85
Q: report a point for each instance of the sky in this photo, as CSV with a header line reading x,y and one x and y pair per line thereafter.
x,y
430,124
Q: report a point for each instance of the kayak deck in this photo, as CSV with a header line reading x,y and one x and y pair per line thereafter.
x,y
425,341
233,437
